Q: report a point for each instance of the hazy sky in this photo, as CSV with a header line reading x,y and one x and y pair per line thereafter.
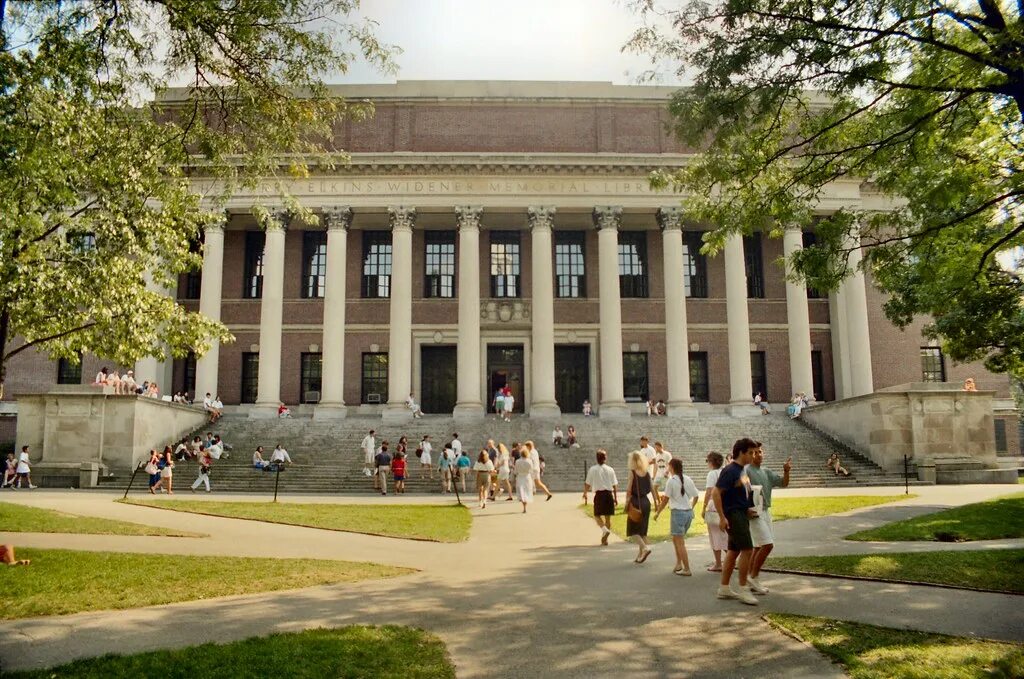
x,y
505,40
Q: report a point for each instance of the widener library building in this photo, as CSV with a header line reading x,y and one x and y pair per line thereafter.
x,y
503,234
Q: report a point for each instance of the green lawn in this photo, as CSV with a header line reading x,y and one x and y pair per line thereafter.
x,y
782,508
356,651
64,581
17,518
997,569
438,523
870,652
991,520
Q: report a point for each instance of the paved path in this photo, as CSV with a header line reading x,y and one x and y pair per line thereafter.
x,y
560,603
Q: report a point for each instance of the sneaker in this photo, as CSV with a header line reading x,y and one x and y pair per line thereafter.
x,y
756,587
746,597
726,592
30,486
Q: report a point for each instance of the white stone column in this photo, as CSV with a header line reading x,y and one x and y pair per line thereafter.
x,y
858,336
400,331
542,399
677,343
332,390
798,319
208,364
740,381
612,404
838,334
268,390
468,405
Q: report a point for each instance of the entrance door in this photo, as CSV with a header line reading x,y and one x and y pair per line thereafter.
x,y
505,368
438,375
572,377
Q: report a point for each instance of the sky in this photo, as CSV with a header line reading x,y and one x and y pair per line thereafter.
x,y
505,40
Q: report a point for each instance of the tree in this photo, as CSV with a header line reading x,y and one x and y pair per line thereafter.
x,y
920,101
95,157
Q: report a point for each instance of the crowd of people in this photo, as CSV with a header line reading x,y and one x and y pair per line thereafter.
x,y
125,385
198,449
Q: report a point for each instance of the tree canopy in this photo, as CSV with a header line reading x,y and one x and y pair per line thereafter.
x,y
95,159
920,102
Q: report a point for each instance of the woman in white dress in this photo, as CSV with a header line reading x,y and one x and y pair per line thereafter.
x,y
425,459
504,471
534,455
524,480
716,536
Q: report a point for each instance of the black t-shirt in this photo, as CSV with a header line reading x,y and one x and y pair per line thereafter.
x,y
733,490
383,459
492,453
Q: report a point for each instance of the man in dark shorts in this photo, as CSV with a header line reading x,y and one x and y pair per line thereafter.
x,y
601,479
734,503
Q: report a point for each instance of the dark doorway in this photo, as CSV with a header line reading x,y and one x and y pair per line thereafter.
x,y
505,368
572,377
438,375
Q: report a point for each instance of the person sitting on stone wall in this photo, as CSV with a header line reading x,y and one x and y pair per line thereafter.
x,y
212,411
761,403
969,384
128,385
410,403
101,377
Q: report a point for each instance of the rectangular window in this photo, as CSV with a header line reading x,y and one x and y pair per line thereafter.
x,y
754,265
254,243
695,265
933,368
634,376
375,378
1001,445
818,375
314,263
699,387
311,371
505,264
192,285
570,269
376,264
809,240
190,374
83,243
758,374
633,264
250,376
439,275
68,372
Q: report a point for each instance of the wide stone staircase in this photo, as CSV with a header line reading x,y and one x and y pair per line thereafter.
x,y
328,459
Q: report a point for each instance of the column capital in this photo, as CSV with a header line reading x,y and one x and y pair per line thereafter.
x,y
273,218
670,218
337,217
401,217
607,217
541,216
468,216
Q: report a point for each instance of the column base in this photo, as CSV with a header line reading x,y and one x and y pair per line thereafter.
x,y
468,412
681,409
614,411
545,411
263,411
396,413
330,411
743,409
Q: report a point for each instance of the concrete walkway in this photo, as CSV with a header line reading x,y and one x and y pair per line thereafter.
x,y
538,584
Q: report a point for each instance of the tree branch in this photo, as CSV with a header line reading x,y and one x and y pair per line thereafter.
x,y
8,356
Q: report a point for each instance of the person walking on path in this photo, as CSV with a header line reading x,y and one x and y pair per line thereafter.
x,y
508,404
524,480
483,469
398,471
383,463
503,463
425,457
661,460
601,479
205,462
369,447
462,466
762,532
153,469
716,536
445,462
735,507
534,456
24,469
638,501
680,496
167,470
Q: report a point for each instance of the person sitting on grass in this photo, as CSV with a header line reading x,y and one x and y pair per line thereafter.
x,y
836,465
258,463
8,559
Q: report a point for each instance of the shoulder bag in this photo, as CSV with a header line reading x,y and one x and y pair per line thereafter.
x,y
633,513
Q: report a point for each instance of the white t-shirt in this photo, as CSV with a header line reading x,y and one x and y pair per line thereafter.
x,y
426,449
411,402
368,444
557,434
535,461
486,466
23,467
710,483
649,453
661,463
207,402
510,401
524,467
280,455
457,447
601,477
681,492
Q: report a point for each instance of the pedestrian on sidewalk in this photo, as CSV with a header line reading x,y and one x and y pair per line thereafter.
x,y
681,497
24,469
641,489
735,508
762,532
483,469
661,460
716,536
398,470
602,480
383,462
462,466
536,460
167,471
425,457
445,464
369,447
504,471
153,469
524,480
205,462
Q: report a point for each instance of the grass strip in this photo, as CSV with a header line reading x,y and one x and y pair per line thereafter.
x,y
872,652
63,581
17,518
437,523
355,651
783,508
990,520
993,569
